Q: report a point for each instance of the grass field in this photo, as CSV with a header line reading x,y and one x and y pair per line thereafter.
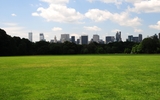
x,y
80,77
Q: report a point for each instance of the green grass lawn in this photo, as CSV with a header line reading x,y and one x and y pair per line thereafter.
x,y
80,77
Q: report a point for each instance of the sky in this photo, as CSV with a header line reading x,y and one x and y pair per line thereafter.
x,y
80,17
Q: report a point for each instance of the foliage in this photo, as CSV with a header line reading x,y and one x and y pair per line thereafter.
x,y
148,45
10,46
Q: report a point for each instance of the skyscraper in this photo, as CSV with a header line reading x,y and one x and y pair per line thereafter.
x,y
130,38
84,39
64,37
55,39
118,36
73,39
140,38
96,38
78,41
135,39
109,39
41,36
30,36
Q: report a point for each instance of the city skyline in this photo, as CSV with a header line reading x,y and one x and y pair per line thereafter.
x,y
80,17
84,39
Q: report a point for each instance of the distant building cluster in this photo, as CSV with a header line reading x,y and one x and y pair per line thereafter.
x,y
132,38
96,38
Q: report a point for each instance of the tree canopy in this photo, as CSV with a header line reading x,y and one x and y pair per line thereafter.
x,y
10,46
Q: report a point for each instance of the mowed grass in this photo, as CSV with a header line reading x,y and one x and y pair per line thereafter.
x,y
80,77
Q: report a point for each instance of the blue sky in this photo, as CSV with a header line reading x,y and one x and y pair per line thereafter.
x,y
80,17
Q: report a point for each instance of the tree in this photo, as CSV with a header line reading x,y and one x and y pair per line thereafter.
x,y
150,45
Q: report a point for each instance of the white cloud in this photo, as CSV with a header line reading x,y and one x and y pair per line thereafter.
x,y
91,1
94,28
35,14
138,30
117,2
14,15
59,13
132,1
146,6
56,1
57,29
122,19
157,27
98,15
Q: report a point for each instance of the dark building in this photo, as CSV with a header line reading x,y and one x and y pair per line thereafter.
x,y
109,39
84,39
135,39
130,38
78,41
140,38
73,39
118,36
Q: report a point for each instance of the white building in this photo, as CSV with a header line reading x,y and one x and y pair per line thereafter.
x,y
65,37
30,36
96,38
55,39
41,36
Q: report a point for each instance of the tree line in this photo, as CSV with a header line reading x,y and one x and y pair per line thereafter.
x,y
11,46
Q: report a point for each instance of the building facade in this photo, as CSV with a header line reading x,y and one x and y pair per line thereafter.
x,y
84,39
96,38
130,38
73,39
78,41
140,38
118,36
55,39
135,39
30,36
64,37
109,39
41,37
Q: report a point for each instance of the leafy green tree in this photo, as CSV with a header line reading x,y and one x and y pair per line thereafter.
x,y
150,45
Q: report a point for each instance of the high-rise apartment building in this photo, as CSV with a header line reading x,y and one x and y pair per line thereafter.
x,y
130,38
109,39
64,37
96,38
41,36
84,39
118,36
73,39
78,41
135,39
30,36
55,39
140,38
